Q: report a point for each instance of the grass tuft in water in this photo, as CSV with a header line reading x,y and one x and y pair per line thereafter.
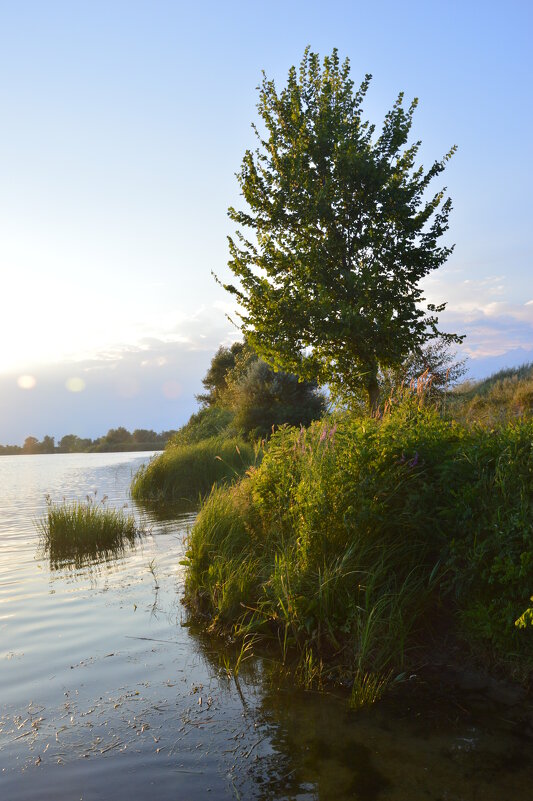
x,y
368,688
81,531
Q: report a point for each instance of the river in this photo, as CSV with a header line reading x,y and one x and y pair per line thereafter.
x,y
106,691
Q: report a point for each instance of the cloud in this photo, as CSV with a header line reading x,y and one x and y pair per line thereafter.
x,y
148,384
493,324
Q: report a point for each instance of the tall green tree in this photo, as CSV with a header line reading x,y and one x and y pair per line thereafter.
x,y
215,379
339,231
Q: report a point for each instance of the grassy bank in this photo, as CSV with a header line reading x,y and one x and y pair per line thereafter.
x,y
504,396
188,471
80,531
358,543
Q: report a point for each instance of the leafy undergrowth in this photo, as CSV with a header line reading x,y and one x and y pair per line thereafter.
x,y
78,532
354,542
189,471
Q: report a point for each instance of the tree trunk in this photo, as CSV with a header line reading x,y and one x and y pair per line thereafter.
x,y
372,387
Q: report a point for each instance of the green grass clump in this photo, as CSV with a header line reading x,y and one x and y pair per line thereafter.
x,y
80,532
504,396
186,472
357,543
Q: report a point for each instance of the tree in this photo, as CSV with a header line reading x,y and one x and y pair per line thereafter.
x,y
215,379
340,232
247,394
144,435
71,443
261,397
47,445
31,445
435,360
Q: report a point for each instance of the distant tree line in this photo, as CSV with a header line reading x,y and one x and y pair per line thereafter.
x,y
116,439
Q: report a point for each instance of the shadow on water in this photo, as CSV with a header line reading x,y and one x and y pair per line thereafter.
x,y
169,511
427,739
88,560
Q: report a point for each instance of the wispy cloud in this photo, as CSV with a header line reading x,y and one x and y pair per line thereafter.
x,y
493,324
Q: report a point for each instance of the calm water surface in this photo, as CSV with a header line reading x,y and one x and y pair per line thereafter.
x,y
105,693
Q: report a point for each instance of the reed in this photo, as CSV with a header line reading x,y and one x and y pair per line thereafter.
x,y
81,531
188,472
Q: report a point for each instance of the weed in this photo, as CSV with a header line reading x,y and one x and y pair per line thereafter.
x,y
354,538
152,569
367,688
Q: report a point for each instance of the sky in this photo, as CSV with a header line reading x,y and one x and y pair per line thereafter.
x,y
123,125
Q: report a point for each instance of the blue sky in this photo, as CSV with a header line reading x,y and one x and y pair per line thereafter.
x,y
123,124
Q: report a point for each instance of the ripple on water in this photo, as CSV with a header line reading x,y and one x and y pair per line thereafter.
x,y
105,694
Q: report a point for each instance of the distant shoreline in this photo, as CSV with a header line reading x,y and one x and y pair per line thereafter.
x,y
117,440
138,449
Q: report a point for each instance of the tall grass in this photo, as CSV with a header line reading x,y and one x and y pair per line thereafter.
x,y
186,472
82,531
504,396
354,542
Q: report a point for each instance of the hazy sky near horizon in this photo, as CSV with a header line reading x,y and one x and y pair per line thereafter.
x,y
123,126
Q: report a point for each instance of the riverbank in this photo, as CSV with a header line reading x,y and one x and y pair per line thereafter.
x,y
107,689
358,543
187,472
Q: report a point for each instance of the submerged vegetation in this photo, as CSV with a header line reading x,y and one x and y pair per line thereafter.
x,y
360,542
81,531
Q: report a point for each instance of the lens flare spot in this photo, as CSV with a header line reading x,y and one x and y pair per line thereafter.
x,y
26,381
75,384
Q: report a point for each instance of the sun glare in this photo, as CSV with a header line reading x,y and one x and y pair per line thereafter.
x,y
26,381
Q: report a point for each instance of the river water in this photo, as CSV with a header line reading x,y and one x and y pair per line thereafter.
x,y
106,692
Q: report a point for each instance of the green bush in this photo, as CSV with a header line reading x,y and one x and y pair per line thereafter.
x,y
211,421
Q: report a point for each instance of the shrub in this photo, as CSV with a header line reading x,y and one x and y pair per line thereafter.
x,y
211,421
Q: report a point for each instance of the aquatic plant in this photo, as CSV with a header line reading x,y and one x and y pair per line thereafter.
x,y
152,569
367,688
81,531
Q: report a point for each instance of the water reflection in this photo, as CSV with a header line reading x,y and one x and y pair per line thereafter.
x,y
105,694
426,740
169,511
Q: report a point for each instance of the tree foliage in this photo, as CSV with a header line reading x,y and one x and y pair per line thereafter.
x,y
435,360
339,231
261,397
257,396
214,381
